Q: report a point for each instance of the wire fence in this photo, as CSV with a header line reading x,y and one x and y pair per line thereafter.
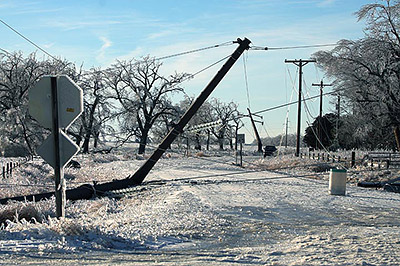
x,y
8,166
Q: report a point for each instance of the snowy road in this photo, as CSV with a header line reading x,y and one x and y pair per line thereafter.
x,y
242,219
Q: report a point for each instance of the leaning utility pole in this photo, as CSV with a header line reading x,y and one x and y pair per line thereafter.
x,y
321,87
142,172
259,142
300,63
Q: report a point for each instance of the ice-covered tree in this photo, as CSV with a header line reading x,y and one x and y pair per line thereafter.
x,y
225,113
326,137
18,73
97,110
143,94
367,71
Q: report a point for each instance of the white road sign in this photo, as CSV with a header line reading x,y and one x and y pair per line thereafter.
x,y
70,101
67,149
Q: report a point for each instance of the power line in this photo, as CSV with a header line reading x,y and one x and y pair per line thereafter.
x,y
246,81
5,51
202,70
209,66
290,103
28,40
261,48
195,50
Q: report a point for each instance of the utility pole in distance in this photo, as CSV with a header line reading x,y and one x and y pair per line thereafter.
x,y
321,88
300,63
259,142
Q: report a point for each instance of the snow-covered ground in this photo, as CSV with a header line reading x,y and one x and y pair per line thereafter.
x,y
206,212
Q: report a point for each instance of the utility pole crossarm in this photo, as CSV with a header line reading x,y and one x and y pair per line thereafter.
x,y
321,85
300,62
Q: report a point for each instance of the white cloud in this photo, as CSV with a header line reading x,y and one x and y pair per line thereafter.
x,y
101,55
73,25
48,45
136,53
326,3
106,43
319,3
161,34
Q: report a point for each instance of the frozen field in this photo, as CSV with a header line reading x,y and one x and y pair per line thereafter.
x,y
216,218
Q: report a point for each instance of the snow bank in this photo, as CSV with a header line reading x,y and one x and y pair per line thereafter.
x,y
212,213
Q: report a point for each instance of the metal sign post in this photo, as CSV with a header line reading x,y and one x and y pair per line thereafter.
x,y
240,139
55,102
58,169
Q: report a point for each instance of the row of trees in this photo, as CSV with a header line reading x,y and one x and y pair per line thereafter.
x,y
129,101
366,75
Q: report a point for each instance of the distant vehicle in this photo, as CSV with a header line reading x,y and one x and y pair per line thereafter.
x,y
269,150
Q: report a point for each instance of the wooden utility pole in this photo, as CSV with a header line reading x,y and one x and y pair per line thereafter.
x,y
259,143
300,63
321,88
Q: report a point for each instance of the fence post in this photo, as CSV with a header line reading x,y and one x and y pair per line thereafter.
x,y
353,158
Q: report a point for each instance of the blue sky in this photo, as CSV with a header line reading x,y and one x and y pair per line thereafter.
x,y
96,33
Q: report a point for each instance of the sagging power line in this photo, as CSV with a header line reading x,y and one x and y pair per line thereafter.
x,y
265,48
28,40
195,50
